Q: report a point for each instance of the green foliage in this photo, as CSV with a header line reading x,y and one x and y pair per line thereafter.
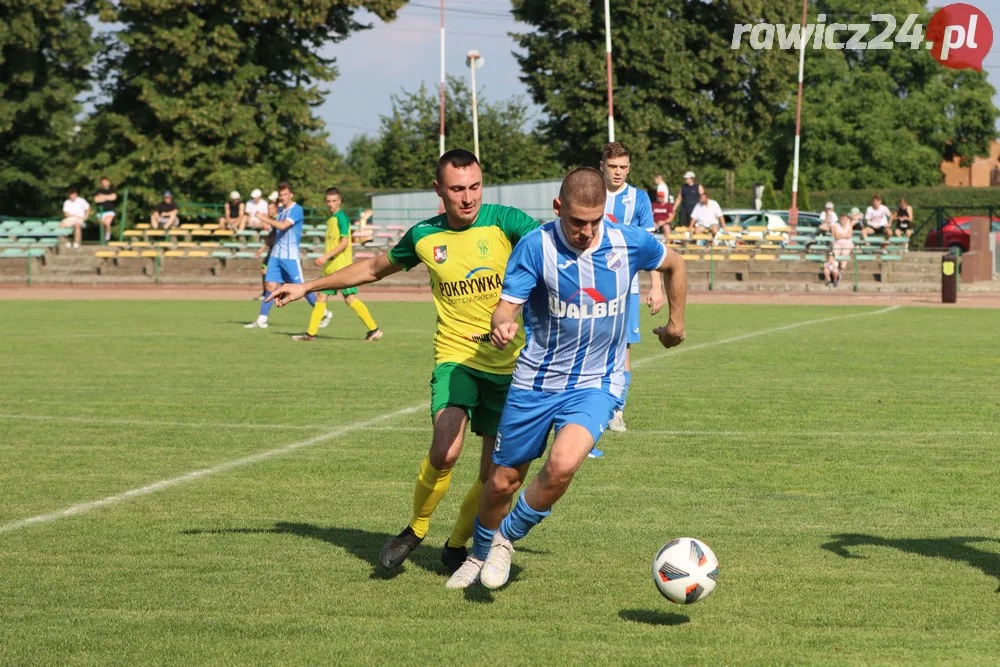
x,y
405,152
45,49
682,96
880,118
770,199
204,96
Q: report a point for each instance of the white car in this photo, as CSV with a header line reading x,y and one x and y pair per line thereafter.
x,y
748,217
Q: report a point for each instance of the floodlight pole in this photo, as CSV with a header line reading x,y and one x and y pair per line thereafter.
x,y
441,104
793,211
607,52
474,61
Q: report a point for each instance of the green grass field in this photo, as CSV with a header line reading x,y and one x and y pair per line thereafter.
x,y
842,462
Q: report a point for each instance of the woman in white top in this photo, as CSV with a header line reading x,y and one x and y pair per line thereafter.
x,y
76,210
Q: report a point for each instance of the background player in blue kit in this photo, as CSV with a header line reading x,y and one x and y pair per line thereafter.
x,y
572,277
284,264
628,205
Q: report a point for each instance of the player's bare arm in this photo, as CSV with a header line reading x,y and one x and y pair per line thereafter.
x,y
359,273
281,224
655,297
504,323
336,250
675,272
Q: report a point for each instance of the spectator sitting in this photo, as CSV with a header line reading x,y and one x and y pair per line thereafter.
x,y
877,219
706,216
831,270
903,219
843,244
234,217
165,212
75,210
255,208
107,198
661,213
827,218
855,217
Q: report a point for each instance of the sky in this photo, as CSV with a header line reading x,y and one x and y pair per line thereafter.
x,y
375,64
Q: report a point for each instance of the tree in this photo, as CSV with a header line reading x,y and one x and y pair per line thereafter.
x,y
683,96
205,96
881,118
406,149
770,200
45,48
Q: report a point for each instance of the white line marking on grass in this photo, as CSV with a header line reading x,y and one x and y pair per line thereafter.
x,y
84,508
753,334
152,422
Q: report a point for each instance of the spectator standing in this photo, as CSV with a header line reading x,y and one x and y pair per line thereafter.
x,y
827,218
877,219
107,198
234,213
165,212
843,244
903,217
706,216
75,210
831,270
661,187
255,208
690,195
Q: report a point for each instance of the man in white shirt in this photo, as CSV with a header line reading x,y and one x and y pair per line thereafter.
x,y
706,216
877,218
827,218
255,209
75,210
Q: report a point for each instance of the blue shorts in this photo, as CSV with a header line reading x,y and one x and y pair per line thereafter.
x,y
632,312
283,271
105,214
529,416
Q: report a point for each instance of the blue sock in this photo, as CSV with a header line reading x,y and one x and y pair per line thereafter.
x,y
265,306
482,538
520,520
628,383
311,298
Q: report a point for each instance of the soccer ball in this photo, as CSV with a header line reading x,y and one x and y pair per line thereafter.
x,y
685,570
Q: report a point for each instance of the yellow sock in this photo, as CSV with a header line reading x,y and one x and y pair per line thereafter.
x,y
319,310
359,307
462,531
432,484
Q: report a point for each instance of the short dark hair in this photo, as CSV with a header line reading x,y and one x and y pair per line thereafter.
x,y
615,149
73,191
332,191
105,178
584,186
876,196
285,185
458,158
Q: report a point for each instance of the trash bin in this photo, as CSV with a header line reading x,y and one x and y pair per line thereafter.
x,y
949,278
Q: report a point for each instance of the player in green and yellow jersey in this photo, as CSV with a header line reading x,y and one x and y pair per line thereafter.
x,y
336,256
465,249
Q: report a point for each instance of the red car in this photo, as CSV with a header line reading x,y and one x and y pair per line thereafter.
x,y
954,234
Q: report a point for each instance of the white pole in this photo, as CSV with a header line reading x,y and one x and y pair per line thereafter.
x,y
475,112
793,211
441,103
607,51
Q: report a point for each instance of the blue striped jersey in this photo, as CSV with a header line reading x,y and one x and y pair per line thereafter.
x,y
286,243
574,305
631,207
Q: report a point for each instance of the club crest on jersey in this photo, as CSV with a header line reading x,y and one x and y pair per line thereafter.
x,y
614,261
440,254
483,247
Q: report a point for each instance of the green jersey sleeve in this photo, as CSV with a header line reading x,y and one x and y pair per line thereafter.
x,y
404,253
516,224
343,224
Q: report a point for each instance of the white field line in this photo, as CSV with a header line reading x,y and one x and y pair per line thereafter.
x,y
753,334
84,508
152,422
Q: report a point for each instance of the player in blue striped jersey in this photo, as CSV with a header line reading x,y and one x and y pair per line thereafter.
x,y
283,264
572,279
628,205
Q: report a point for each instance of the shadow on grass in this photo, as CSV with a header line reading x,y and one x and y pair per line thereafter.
x,y
950,548
359,543
650,617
